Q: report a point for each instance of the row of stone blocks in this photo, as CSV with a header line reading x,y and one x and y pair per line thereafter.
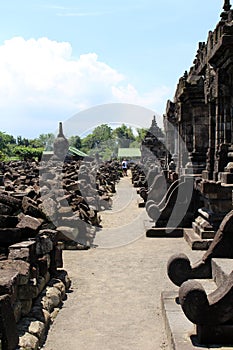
x,y
31,288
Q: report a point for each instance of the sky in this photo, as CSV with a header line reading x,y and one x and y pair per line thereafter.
x,y
66,58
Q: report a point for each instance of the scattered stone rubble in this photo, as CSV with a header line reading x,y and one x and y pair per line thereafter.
x,y
44,208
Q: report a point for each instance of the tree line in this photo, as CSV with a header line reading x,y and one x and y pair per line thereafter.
x,y
103,139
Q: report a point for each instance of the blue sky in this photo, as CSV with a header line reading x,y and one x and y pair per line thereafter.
x,y
62,57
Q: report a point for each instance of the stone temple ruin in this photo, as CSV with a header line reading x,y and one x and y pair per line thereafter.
x,y
45,207
185,179
197,203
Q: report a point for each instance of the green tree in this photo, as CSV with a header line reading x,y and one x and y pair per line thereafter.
x,y
141,134
26,152
124,135
6,142
102,133
46,141
75,141
98,138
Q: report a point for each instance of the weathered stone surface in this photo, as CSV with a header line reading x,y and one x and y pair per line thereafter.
x,y
179,268
214,309
44,244
30,223
57,283
43,264
67,233
28,291
26,306
24,251
8,331
55,295
37,328
9,282
17,309
28,341
41,282
63,276
22,268
10,201
30,208
49,208
41,315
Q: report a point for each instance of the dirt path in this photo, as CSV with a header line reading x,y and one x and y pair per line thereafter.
x,y
115,302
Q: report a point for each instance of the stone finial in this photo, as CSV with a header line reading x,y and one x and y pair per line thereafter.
x,y
154,123
60,130
61,144
185,76
227,5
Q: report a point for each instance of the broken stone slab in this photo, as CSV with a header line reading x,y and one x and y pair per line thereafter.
x,y
41,315
28,291
22,268
67,233
37,328
25,250
43,264
29,223
44,244
51,233
30,207
10,201
41,283
49,209
28,341
57,283
26,306
54,294
8,330
9,283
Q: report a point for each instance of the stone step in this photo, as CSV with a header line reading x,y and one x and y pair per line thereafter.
x,y
195,241
221,269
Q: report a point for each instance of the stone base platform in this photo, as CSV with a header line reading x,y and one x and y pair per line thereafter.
x,y
181,333
195,241
165,232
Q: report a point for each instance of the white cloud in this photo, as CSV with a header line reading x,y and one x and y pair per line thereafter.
x,y
42,78
129,94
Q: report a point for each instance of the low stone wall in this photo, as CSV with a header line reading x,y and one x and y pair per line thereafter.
x,y
32,288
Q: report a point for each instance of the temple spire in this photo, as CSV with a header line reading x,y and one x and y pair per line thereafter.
x,y
227,5
60,130
60,145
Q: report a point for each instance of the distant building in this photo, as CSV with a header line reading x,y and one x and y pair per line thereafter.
x,y
133,154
